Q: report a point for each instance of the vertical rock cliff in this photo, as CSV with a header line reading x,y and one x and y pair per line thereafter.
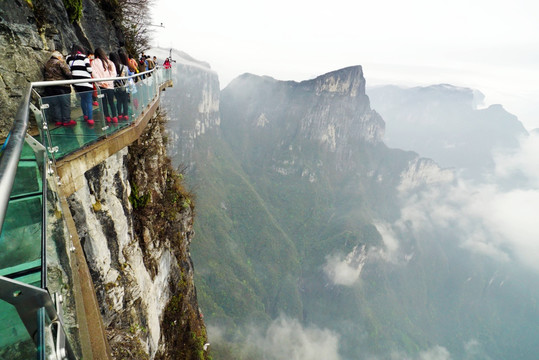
x,y
135,221
194,101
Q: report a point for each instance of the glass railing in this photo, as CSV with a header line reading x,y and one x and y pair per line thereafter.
x,y
35,244
66,127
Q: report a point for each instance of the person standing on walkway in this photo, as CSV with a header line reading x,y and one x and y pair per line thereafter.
x,y
120,87
57,96
103,68
81,69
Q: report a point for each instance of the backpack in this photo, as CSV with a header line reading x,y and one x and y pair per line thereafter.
x,y
122,73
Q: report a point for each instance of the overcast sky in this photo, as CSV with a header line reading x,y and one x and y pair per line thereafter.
x,y
489,45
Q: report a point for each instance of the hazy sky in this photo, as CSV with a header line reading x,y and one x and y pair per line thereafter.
x,y
489,45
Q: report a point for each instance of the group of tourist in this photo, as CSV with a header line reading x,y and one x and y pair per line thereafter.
x,y
80,64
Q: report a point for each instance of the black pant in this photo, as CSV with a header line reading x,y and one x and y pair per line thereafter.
x,y
59,107
108,101
121,101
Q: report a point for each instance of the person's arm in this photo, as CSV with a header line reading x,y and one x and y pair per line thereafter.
x,y
88,65
65,70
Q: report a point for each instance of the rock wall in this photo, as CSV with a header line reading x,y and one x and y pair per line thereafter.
x,y
331,113
30,31
194,101
135,222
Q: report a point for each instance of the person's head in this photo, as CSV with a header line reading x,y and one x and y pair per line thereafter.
x,y
123,57
76,48
57,55
115,60
100,54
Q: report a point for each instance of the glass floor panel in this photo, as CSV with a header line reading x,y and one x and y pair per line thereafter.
x,y
69,139
15,342
20,240
27,153
27,180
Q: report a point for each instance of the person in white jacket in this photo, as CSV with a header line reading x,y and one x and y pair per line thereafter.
x,y
103,68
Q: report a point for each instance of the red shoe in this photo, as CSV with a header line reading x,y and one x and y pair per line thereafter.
x,y
59,123
126,117
120,117
85,117
108,118
95,103
90,121
72,122
115,120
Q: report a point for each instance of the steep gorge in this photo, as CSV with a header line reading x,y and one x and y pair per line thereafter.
x,y
309,224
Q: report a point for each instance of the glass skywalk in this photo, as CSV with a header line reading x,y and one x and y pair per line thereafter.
x,y
34,232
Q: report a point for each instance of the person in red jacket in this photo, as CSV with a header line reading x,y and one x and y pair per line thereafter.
x,y
166,64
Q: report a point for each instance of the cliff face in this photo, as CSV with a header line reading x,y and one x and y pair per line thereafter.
x,y
194,101
30,31
136,240
331,113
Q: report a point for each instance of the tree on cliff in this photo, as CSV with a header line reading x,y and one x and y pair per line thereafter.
x,y
135,24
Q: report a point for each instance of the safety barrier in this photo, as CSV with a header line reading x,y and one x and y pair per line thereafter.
x,y
34,241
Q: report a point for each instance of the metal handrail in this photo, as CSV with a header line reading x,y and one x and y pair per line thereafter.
x,y
90,80
13,148
12,152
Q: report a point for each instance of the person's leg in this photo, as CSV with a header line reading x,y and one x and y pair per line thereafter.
x,y
86,104
51,113
119,102
125,111
105,102
65,108
109,103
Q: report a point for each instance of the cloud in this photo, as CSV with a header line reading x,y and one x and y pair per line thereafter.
x,y
495,219
284,338
288,339
435,353
345,270
522,163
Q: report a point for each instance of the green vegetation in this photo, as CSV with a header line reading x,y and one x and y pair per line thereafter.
x,y
272,206
138,201
74,9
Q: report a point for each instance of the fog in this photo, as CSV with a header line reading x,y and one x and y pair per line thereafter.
x,y
287,338
487,218
488,45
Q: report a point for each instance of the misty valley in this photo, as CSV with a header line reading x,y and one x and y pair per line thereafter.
x,y
337,221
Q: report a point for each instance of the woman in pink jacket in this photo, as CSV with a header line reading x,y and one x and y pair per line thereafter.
x,y
102,68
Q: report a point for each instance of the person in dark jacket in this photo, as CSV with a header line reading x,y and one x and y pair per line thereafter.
x,y
81,69
58,96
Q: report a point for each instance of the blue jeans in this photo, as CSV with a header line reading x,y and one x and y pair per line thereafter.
x,y
86,103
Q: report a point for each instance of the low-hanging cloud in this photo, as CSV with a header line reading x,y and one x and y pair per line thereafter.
x,y
345,270
493,218
286,338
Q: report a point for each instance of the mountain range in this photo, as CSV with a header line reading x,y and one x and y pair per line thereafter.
x,y
317,236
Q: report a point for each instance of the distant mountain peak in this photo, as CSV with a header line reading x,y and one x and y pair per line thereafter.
x,y
347,81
